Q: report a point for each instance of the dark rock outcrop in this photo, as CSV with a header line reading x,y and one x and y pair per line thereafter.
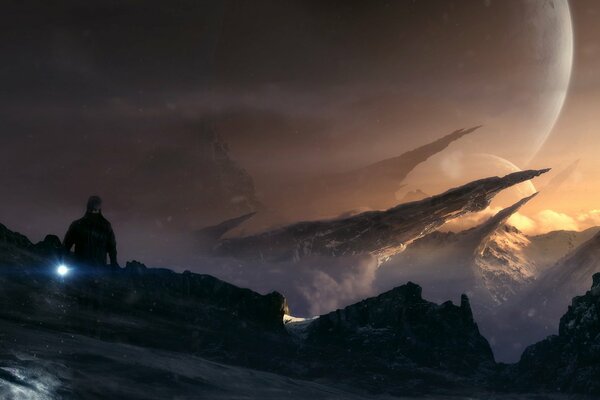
x,y
398,338
395,342
569,361
150,307
379,233
17,250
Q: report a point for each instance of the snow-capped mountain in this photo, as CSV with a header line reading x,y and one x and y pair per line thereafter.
x,y
549,296
487,261
562,263
494,261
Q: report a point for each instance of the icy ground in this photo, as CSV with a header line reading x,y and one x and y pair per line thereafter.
x,y
37,364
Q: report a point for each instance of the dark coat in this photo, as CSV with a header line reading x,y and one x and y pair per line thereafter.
x,y
93,238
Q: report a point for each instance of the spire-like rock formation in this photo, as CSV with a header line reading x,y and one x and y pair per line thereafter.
x,y
379,233
372,186
395,169
481,235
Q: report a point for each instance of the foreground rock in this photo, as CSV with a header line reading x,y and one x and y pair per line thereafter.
x,y
569,362
393,343
63,331
148,307
401,341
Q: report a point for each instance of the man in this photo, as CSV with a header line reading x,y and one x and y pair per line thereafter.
x,y
92,237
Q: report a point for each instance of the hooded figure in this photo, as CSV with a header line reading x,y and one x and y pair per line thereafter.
x,y
92,237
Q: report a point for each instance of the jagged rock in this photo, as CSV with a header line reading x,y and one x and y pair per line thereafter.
x,y
373,187
385,176
17,250
379,233
404,342
570,361
385,337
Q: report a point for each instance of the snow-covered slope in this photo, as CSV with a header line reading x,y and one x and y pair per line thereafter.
x,y
549,297
487,262
546,249
564,267
504,267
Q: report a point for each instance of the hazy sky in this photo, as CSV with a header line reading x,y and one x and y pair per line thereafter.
x,y
91,89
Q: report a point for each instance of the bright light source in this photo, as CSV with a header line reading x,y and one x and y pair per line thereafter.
x,y
62,270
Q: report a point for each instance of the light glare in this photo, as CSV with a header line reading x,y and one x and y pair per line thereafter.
x,y
62,270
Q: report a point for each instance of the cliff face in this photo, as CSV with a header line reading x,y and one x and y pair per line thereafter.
x,y
569,361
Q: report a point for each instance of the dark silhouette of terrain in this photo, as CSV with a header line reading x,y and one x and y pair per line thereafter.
x,y
569,361
396,343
